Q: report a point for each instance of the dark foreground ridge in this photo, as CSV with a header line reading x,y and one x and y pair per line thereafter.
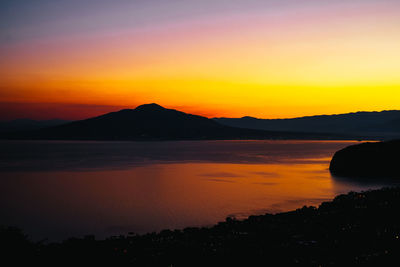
x,y
357,229
368,160
153,122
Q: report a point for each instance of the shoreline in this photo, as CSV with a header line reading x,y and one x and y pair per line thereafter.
x,y
356,228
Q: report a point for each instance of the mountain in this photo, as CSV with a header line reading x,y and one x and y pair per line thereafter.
x,y
366,124
368,160
28,124
153,122
391,126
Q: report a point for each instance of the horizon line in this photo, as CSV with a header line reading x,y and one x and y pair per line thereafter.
x,y
193,113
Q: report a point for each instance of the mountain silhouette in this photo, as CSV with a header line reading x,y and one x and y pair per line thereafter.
x,y
153,122
28,124
384,124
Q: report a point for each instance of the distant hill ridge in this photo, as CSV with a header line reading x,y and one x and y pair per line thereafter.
x,y
384,123
153,122
28,124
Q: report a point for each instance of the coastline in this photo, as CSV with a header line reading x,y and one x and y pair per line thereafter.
x,y
353,229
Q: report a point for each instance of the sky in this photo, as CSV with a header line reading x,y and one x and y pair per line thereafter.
x,y
217,58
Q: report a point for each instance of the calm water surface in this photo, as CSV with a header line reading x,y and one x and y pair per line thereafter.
x,y
58,189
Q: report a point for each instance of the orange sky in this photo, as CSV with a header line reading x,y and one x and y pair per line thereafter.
x,y
259,58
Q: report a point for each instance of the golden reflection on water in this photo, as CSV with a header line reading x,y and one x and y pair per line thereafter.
x,y
158,196
64,189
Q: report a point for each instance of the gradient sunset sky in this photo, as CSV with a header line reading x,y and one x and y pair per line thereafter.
x,y
264,58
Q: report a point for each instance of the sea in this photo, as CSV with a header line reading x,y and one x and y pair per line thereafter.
x,y
55,190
